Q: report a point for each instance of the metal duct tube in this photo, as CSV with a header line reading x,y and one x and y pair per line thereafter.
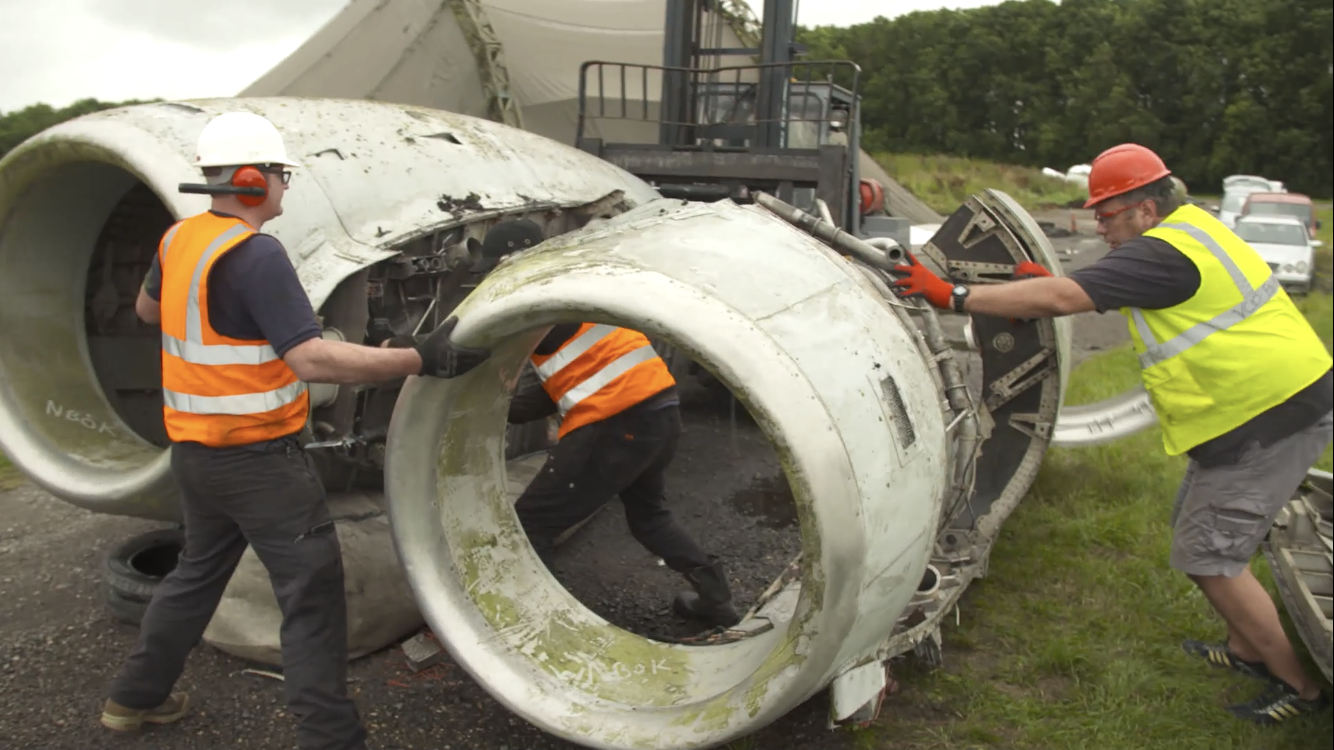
x,y
883,260
930,582
1105,421
956,393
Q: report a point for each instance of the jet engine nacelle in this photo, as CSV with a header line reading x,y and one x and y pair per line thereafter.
x,y
377,221
902,473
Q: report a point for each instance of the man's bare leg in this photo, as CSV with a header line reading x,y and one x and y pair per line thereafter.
x,y
1250,613
1222,515
1238,643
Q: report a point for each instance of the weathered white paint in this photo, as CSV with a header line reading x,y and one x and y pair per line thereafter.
x,y
800,334
804,340
370,178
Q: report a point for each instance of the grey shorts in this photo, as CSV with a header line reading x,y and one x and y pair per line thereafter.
x,y
1223,513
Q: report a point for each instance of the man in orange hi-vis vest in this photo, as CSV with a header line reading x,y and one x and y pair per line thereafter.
x,y
620,423
239,343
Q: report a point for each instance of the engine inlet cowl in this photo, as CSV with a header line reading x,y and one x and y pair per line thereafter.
x,y
84,204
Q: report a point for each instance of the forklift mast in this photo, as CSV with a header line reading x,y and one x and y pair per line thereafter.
x,y
782,126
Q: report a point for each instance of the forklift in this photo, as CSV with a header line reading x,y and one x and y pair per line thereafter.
x,y
781,126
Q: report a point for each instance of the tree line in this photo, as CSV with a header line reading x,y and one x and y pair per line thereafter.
x,y
21,124
1217,87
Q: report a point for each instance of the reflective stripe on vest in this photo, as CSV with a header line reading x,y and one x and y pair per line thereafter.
x,y
604,376
245,403
1235,349
1252,299
192,348
217,390
601,392
166,241
572,349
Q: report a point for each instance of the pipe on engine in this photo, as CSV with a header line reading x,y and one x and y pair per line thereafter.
x,y
84,203
930,581
832,374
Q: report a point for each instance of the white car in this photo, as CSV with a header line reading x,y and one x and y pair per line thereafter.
x,y
1234,181
1285,244
1234,199
1236,188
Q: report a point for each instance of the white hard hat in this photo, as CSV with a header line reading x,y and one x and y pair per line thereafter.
x,y
235,138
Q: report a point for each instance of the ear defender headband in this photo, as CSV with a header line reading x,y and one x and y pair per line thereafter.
x,y
248,184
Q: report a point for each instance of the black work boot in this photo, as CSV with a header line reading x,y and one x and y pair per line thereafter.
x,y
711,599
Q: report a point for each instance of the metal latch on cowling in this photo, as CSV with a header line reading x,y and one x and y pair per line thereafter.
x,y
352,443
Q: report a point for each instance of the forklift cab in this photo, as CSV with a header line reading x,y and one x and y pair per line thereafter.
x,y
786,129
818,114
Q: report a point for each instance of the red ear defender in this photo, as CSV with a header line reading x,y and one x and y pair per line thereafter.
x,y
250,177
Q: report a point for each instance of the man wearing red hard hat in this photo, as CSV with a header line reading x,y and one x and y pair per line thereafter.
x,y
1240,382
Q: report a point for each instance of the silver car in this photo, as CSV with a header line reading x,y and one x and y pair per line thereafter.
x,y
1285,244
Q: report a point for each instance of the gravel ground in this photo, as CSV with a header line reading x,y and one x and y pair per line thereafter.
x,y
727,488
59,646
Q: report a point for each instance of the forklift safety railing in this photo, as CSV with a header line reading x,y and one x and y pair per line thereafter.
x,y
728,104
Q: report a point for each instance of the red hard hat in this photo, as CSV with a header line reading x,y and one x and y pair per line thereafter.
x,y
872,197
1121,169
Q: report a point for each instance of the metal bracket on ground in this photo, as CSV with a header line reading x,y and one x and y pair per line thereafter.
x,y
422,651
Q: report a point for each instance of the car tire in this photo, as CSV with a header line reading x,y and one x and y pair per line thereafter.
x,y
134,569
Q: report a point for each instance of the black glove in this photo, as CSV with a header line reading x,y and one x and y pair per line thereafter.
x,y
442,358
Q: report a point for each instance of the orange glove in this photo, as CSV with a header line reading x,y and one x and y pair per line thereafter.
x,y
918,280
1029,270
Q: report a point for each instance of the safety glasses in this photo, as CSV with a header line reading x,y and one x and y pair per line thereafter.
x,y
283,174
1103,218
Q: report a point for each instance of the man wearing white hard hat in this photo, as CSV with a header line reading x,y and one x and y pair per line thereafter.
x,y
240,341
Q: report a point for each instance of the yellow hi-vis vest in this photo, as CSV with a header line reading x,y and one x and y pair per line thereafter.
x,y
1233,350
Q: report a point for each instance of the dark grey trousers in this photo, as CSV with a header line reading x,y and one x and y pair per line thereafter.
x,y
267,495
626,455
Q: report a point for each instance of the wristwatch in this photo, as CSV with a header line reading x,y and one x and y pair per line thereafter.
x,y
957,297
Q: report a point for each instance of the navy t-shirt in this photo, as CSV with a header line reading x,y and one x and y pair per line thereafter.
x,y
1148,273
254,293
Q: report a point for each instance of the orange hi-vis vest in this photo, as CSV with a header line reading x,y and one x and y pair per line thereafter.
x,y
216,390
601,371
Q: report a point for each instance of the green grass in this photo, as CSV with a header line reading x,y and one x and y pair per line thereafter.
x,y
944,182
1324,256
1073,638
10,477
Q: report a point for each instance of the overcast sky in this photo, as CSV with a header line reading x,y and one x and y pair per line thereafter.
x,y
58,51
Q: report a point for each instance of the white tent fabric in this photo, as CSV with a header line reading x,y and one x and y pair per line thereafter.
x,y
422,52
465,55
